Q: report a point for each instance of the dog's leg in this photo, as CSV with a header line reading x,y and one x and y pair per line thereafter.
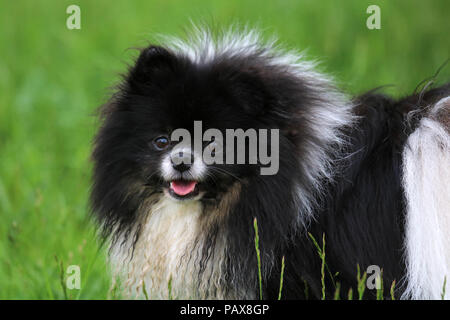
x,y
426,179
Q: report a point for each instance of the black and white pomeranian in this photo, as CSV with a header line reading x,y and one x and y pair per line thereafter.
x,y
365,178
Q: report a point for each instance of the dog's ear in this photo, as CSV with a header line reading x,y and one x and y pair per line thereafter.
x,y
152,61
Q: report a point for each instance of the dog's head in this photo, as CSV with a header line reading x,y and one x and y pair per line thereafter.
x,y
203,91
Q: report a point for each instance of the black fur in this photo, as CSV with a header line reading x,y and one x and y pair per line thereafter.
x,y
363,215
361,212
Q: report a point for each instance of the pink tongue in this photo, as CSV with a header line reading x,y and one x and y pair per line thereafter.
x,y
182,188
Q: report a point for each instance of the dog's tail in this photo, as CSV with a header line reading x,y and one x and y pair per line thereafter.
x,y
426,179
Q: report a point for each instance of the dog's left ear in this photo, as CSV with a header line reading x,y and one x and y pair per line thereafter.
x,y
152,61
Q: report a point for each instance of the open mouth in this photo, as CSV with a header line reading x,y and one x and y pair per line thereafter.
x,y
183,189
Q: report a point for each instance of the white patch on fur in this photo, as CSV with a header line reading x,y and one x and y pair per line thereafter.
x,y
426,179
167,251
331,112
196,172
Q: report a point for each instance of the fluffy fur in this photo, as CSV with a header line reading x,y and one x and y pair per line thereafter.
x,y
426,161
340,175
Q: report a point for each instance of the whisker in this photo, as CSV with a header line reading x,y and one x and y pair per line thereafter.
x,y
226,172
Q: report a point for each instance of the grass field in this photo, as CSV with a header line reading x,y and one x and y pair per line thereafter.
x,y
52,79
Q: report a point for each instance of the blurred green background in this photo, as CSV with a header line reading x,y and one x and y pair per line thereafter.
x,y
52,79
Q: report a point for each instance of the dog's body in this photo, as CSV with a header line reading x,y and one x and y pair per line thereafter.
x,y
351,171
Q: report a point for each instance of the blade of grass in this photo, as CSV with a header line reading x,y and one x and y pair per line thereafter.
x,y
258,255
281,278
392,290
380,292
361,283
306,292
144,290
332,277
321,252
61,276
169,288
337,293
350,294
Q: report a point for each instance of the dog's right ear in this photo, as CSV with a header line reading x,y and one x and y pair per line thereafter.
x,y
152,60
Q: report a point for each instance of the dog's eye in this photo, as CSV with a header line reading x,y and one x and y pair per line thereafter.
x,y
161,143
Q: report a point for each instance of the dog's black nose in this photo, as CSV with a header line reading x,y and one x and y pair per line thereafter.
x,y
182,161
181,167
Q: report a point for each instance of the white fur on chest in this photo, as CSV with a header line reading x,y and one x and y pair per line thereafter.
x,y
168,251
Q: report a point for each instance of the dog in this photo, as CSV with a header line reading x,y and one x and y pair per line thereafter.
x,y
362,182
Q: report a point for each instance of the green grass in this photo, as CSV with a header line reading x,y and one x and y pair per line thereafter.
x,y
258,256
52,80
322,253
